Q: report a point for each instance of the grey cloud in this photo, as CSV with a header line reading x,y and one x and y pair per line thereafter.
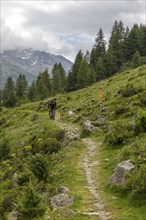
x,y
75,18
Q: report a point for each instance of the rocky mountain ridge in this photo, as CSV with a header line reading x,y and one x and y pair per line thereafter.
x,y
29,62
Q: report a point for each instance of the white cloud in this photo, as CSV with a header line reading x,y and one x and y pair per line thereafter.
x,y
64,27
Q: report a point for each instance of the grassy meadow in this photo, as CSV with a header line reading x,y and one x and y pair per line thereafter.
x,y
34,161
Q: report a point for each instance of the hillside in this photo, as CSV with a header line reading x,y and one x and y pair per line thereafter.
x,y
39,156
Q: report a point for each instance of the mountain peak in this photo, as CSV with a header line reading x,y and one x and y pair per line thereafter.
x,y
29,61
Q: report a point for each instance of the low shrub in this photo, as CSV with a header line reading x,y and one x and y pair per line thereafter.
x,y
142,99
39,167
135,152
121,109
136,182
4,149
118,133
45,145
24,178
130,90
29,205
140,122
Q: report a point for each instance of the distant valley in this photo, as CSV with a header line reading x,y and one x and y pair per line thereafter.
x,y
29,62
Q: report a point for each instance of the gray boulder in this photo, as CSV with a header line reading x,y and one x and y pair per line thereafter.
x,y
13,215
118,178
63,189
87,126
72,135
15,179
61,200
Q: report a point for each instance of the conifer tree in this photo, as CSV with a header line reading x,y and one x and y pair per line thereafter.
x,y
91,75
132,43
9,96
69,82
116,43
110,64
21,86
75,68
32,96
100,69
136,61
100,44
99,48
58,79
82,75
43,85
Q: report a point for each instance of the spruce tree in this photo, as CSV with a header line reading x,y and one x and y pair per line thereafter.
x,y
99,49
132,43
43,85
100,69
116,43
69,82
9,95
21,86
136,61
75,68
58,79
32,95
82,76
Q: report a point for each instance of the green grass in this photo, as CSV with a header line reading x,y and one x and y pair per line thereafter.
x,y
19,129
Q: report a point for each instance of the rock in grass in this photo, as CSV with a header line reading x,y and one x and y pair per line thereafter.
x,y
61,200
118,178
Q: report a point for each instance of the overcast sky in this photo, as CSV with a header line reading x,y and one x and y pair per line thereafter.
x,y
64,27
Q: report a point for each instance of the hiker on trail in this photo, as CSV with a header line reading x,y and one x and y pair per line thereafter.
x,y
52,108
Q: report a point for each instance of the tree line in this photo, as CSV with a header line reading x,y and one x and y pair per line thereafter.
x,y
124,49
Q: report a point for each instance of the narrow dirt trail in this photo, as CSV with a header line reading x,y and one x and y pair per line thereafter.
x,y
89,165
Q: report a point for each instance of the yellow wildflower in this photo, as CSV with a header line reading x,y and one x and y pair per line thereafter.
x,y
27,147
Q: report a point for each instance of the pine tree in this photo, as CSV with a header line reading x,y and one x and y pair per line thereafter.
x,y
43,85
69,82
116,43
30,204
58,79
136,61
75,68
132,43
63,76
93,59
143,28
9,96
99,49
100,69
91,76
82,76
100,44
110,64
21,86
32,96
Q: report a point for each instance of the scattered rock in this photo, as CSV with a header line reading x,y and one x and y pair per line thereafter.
x,y
72,135
47,218
119,176
35,117
114,197
87,126
63,189
61,200
15,179
13,215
